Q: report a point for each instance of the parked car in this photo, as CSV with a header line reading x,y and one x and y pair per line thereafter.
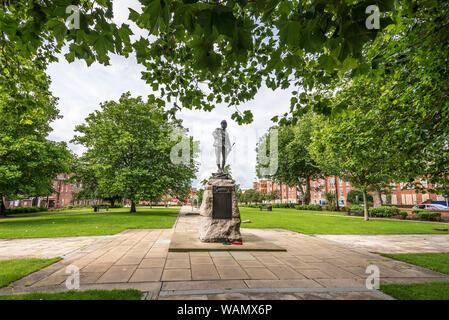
x,y
431,206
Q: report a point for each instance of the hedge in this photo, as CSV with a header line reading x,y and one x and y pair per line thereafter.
x,y
24,210
430,216
355,207
314,207
384,211
273,205
283,205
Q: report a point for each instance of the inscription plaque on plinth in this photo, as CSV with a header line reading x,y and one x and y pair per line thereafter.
x,y
222,202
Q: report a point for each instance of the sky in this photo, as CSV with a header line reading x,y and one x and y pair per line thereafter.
x,y
81,89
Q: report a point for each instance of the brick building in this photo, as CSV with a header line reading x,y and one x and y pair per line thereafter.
x,y
61,198
400,194
287,194
403,195
65,193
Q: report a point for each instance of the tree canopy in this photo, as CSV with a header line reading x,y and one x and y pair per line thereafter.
x,y
28,160
129,146
295,164
202,53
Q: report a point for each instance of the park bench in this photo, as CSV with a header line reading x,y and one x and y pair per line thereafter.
x,y
97,208
358,213
270,208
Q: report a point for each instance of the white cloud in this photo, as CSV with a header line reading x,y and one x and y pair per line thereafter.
x,y
81,89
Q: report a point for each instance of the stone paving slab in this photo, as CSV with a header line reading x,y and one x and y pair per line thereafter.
x,y
189,241
403,243
44,248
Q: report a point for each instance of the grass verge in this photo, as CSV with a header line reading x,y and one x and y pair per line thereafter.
x,y
89,224
418,291
421,291
434,261
13,270
77,295
299,221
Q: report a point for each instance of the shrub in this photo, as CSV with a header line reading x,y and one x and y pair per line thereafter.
x,y
283,205
384,211
24,210
418,211
403,214
331,199
116,205
430,216
314,207
355,207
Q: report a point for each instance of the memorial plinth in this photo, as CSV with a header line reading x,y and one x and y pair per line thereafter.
x,y
220,215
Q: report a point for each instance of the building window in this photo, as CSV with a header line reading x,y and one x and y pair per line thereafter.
x,y
424,184
341,183
347,183
341,192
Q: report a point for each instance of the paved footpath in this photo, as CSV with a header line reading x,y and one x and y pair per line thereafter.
x,y
43,247
311,268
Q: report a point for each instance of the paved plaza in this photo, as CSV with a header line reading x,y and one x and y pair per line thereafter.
x,y
43,247
310,268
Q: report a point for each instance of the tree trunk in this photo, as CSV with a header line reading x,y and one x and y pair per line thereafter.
x,y
2,206
133,207
112,202
377,199
336,193
307,193
365,205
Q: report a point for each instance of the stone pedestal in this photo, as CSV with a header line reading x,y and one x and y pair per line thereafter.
x,y
220,217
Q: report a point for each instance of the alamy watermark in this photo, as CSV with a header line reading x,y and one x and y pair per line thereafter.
x,y
73,280
73,20
373,20
268,158
373,280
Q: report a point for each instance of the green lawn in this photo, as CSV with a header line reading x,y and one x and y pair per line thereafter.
x,y
80,210
421,291
434,261
13,270
103,223
46,213
332,213
309,222
77,295
418,291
